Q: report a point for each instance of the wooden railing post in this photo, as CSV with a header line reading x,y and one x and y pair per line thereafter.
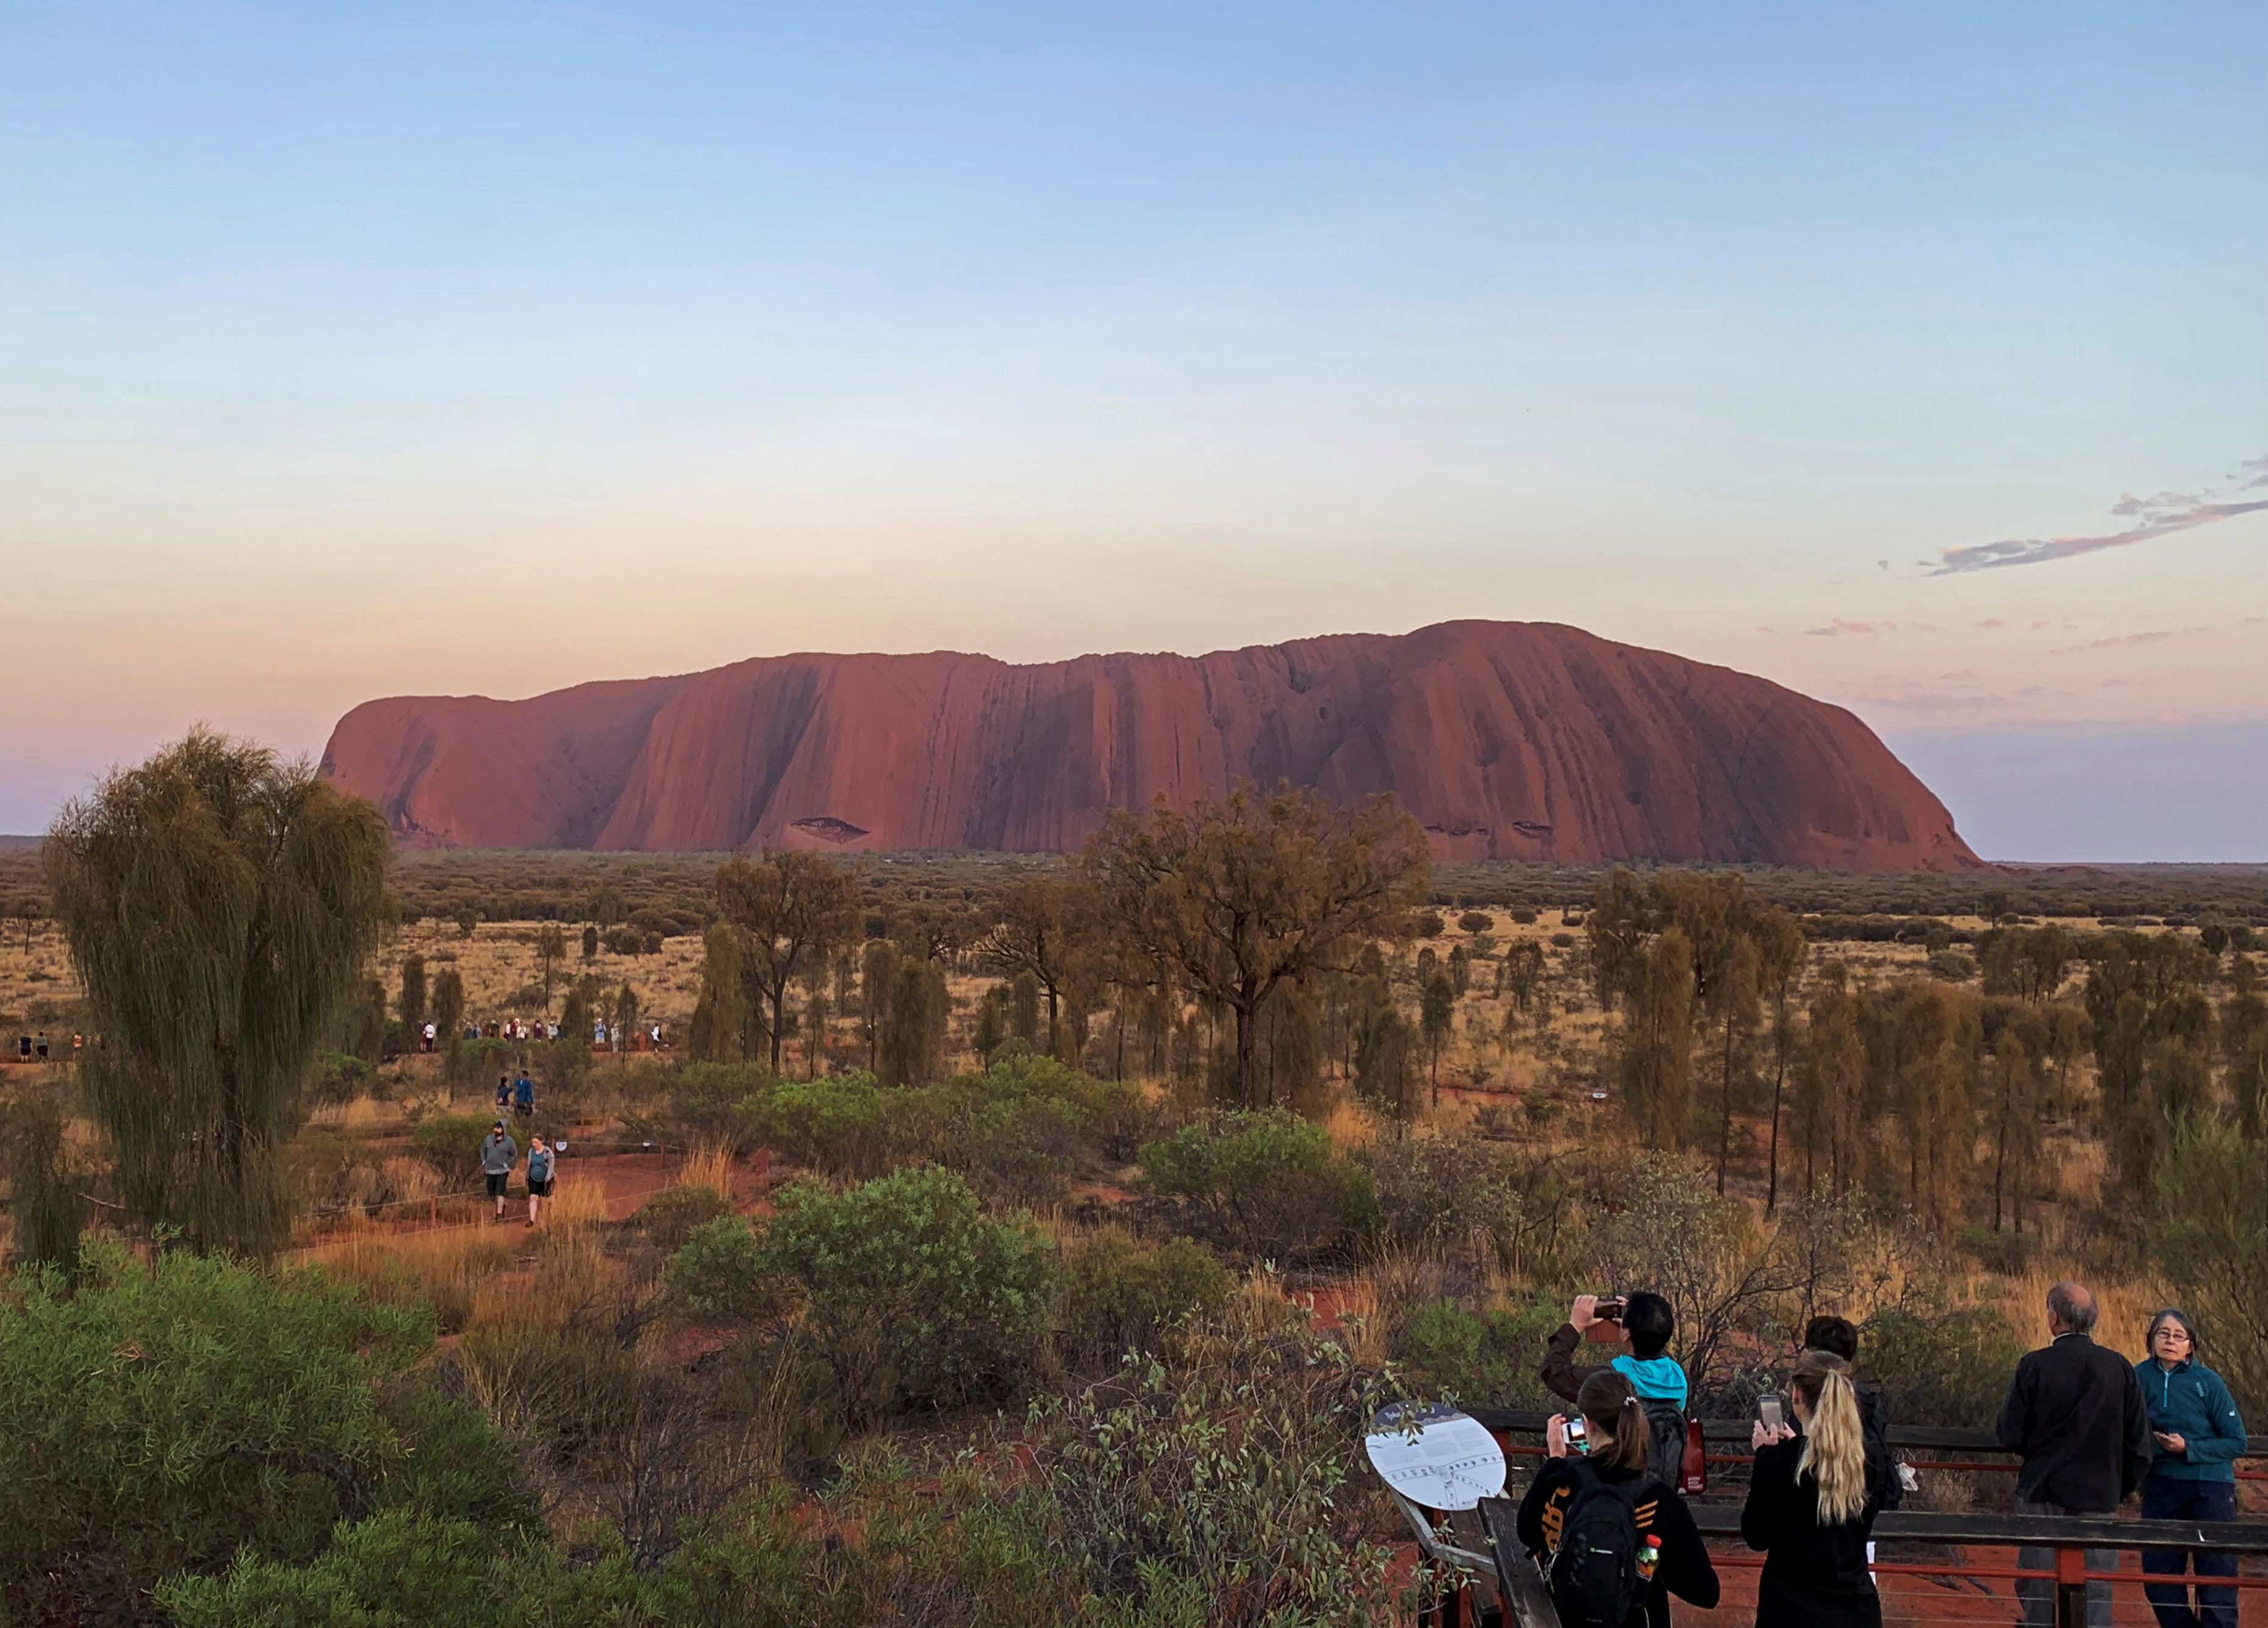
x,y
2071,1587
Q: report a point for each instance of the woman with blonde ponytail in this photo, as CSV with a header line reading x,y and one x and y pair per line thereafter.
x,y
1810,1509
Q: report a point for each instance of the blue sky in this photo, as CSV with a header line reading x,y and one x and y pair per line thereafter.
x,y
490,349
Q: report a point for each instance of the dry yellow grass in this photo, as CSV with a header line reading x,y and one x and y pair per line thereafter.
x,y
708,1165
362,1114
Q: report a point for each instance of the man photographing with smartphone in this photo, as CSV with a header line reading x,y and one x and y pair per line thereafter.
x,y
1643,1324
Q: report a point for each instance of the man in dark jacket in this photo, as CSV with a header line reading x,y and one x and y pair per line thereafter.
x,y
2076,1417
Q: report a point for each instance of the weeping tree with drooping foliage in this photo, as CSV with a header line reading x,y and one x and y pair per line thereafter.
x,y
219,905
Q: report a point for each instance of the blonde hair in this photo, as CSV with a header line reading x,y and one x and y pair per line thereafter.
x,y
1834,1443
1617,1420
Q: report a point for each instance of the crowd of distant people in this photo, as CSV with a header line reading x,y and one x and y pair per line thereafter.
x,y
1609,1525
603,1033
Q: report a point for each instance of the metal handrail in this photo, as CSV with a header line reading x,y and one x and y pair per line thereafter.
x,y
1522,1421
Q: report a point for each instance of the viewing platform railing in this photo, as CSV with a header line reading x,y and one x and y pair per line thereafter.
x,y
1932,1568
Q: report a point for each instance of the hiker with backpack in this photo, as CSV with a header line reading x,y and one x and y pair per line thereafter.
x,y
1645,1323
1614,1541
1812,1505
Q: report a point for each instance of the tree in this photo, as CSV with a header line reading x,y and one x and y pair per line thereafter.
x,y
878,982
1437,1006
1780,951
550,950
411,1004
1830,1090
626,1018
718,1032
467,920
449,1010
1657,1041
1234,898
2015,1077
218,905
1048,929
590,943
793,908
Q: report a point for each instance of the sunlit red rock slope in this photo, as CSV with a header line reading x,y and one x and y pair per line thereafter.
x,y
1507,741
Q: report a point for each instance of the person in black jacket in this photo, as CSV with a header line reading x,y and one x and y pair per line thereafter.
x,y
1617,1426
2076,1417
1812,1502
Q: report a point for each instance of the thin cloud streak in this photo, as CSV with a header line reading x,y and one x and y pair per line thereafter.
x,y
2158,516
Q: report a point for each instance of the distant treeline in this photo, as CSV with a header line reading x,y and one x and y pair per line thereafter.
x,y
672,893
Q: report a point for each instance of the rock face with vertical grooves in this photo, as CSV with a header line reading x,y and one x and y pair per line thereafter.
x,y
1525,740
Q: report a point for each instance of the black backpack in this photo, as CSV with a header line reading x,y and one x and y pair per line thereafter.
x,y
1593,1576
1665,1442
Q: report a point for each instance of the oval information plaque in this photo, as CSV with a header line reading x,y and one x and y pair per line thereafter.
x,y
1435,1456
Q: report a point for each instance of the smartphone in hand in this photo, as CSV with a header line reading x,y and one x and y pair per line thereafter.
x,y
1771,1413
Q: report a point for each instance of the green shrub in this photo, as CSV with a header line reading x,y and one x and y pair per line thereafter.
x,y
668,1217
1951,1370
165,1416
451,1143
1476,921
836,1125
1483,1358
1266,1183
337,1077
1232,1490
912,1295
720,1273
1119,1294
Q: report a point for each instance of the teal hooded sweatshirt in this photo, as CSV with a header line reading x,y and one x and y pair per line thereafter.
x,y
2191,1403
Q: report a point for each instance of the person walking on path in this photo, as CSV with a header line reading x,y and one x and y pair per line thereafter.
x,y
1813,1497
2199,1435
523,1097
2076,1417
539,1176
504,1093
498,1154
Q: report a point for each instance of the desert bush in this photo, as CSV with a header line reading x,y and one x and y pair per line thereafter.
x,y
1266,1183
1524,916
1468,1201
720,1272
908,1294
708,1103
568,1387
337,1076
912,1294
1483,1358
838,1124
1474,921
165,1416
1119,1294
451,1143
668,1217
1951,1369
2211,1235
1226,1489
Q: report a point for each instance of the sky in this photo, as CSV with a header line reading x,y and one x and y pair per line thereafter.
x,y
1913,356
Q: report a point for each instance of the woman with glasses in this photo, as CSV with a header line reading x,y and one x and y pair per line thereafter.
x,y
2197,1434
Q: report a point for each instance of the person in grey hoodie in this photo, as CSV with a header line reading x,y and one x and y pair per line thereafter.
x,y
498,1154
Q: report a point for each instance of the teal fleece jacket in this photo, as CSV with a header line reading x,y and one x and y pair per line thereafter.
x,y
2191,1403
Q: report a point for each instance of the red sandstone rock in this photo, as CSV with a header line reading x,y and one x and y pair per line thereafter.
x,y
1523,740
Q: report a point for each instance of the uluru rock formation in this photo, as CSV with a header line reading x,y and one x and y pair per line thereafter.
x,y
1524,741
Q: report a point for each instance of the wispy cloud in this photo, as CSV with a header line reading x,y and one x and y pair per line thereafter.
x,y
1843,624
2156,636
2157,516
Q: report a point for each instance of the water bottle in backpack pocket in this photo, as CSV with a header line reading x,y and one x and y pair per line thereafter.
x,y
1600,1573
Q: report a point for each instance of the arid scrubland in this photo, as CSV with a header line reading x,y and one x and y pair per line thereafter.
x,y
948,1220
